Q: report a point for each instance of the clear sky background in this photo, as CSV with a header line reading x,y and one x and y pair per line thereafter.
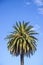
x,y
19,10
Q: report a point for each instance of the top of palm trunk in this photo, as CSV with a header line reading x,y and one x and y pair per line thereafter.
x,y
22,40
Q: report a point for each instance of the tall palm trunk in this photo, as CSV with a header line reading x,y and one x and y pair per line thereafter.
x,y
22,59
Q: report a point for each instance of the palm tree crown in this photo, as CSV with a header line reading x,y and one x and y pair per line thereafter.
x,y
22,39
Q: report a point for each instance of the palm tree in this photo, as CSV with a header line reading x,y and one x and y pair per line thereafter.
x,y
22,40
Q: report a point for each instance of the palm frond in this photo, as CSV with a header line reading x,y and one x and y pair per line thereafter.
x,y
17,24
34,38
29,28
11,43
25,24
32,32
16,28
10,36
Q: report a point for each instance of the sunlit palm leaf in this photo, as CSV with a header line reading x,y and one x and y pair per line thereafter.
x,y
29,28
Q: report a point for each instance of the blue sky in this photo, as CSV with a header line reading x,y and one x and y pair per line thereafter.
x,y
19,10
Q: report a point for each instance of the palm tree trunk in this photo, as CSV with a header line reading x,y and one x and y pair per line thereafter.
x,y
22,59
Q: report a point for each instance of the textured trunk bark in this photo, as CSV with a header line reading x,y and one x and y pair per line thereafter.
x,y
22,59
